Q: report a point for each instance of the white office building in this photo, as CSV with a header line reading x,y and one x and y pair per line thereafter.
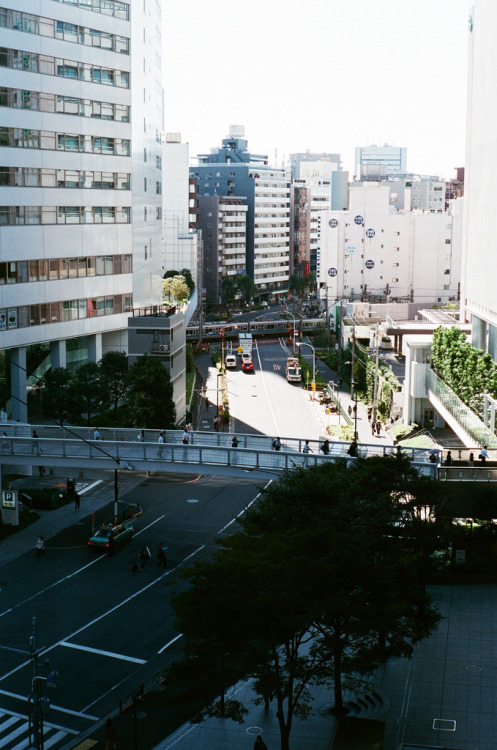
x,y
478,295
374,252
375,162
80,177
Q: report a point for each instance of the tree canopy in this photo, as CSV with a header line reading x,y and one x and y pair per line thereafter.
x,y
324,579
113,374
150,395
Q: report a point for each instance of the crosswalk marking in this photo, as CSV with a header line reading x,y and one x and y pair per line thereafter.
x,y
14,733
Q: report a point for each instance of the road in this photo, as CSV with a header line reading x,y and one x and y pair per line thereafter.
x,y
263,401
104,628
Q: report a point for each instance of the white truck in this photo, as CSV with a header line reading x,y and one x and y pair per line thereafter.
x,y
293,370
245,343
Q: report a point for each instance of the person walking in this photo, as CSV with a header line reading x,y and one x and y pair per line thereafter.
x,y
41,471
36,443
277,444
307,448
349,409
162,556
96,434
141,436
186,437
378,428
325,448
40,547
353,449
259,743
373,428
234,442
161,442
77,501
448,458
483,454
143,558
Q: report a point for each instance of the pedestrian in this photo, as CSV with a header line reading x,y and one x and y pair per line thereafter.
x,y
141,436
143,558
277,444
352,451
36,443
483,454
110,735
349,409
77,501
161,442
96,434
207,404
234,442
472,458
111,544
307,448
370,413
433,455
340,381
41,471
378,428
5,442
259,744
325,448
162,556
40,547
448,459
186,437
373,428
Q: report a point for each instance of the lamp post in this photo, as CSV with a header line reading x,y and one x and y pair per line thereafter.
x,y
304,343
354,398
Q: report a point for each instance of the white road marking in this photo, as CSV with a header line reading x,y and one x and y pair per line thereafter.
x,y
277,430
243,510
68,711
170,643
100,651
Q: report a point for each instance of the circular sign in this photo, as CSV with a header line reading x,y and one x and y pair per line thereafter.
x,y
332,272
370,233
358,219
333,223
369,264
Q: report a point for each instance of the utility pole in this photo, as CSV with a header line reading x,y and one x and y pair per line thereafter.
x,y
352,379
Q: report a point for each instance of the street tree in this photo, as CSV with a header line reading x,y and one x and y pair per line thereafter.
x,y
300,595
246,287
228,290
85,388
150,395
113,378
57,398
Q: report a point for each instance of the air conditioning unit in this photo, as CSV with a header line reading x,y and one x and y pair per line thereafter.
x,y
164,348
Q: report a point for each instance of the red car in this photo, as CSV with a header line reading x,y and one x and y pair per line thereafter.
x,y
247,365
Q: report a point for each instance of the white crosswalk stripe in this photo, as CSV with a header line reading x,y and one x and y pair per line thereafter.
x,y
14,733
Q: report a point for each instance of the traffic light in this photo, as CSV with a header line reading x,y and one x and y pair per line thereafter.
x,y
71,486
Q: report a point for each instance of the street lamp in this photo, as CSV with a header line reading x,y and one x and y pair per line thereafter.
x,y
354,397
304,343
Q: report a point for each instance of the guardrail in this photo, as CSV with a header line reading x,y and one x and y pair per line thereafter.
x,y
204,450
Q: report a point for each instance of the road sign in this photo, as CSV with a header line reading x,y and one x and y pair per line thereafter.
x,y
333,223
240,349
370,233
351,249
9,498
358,220
369,264
332,272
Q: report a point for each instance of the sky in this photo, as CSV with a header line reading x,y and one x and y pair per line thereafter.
x,y
320,75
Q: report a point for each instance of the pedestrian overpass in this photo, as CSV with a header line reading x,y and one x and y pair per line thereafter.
x,y
206,453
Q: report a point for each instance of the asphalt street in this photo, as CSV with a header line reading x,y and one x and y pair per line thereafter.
x,y
104,628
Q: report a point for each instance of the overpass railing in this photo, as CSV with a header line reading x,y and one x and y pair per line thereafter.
x,y
209,449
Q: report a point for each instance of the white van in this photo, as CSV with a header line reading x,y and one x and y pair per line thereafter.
x,y
231,361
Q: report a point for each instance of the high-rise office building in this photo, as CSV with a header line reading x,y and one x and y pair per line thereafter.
x,y
80,177
375,162
232,171
478,297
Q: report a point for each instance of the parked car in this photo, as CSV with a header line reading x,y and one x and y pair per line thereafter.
x,y
231,361
247,365
108,534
